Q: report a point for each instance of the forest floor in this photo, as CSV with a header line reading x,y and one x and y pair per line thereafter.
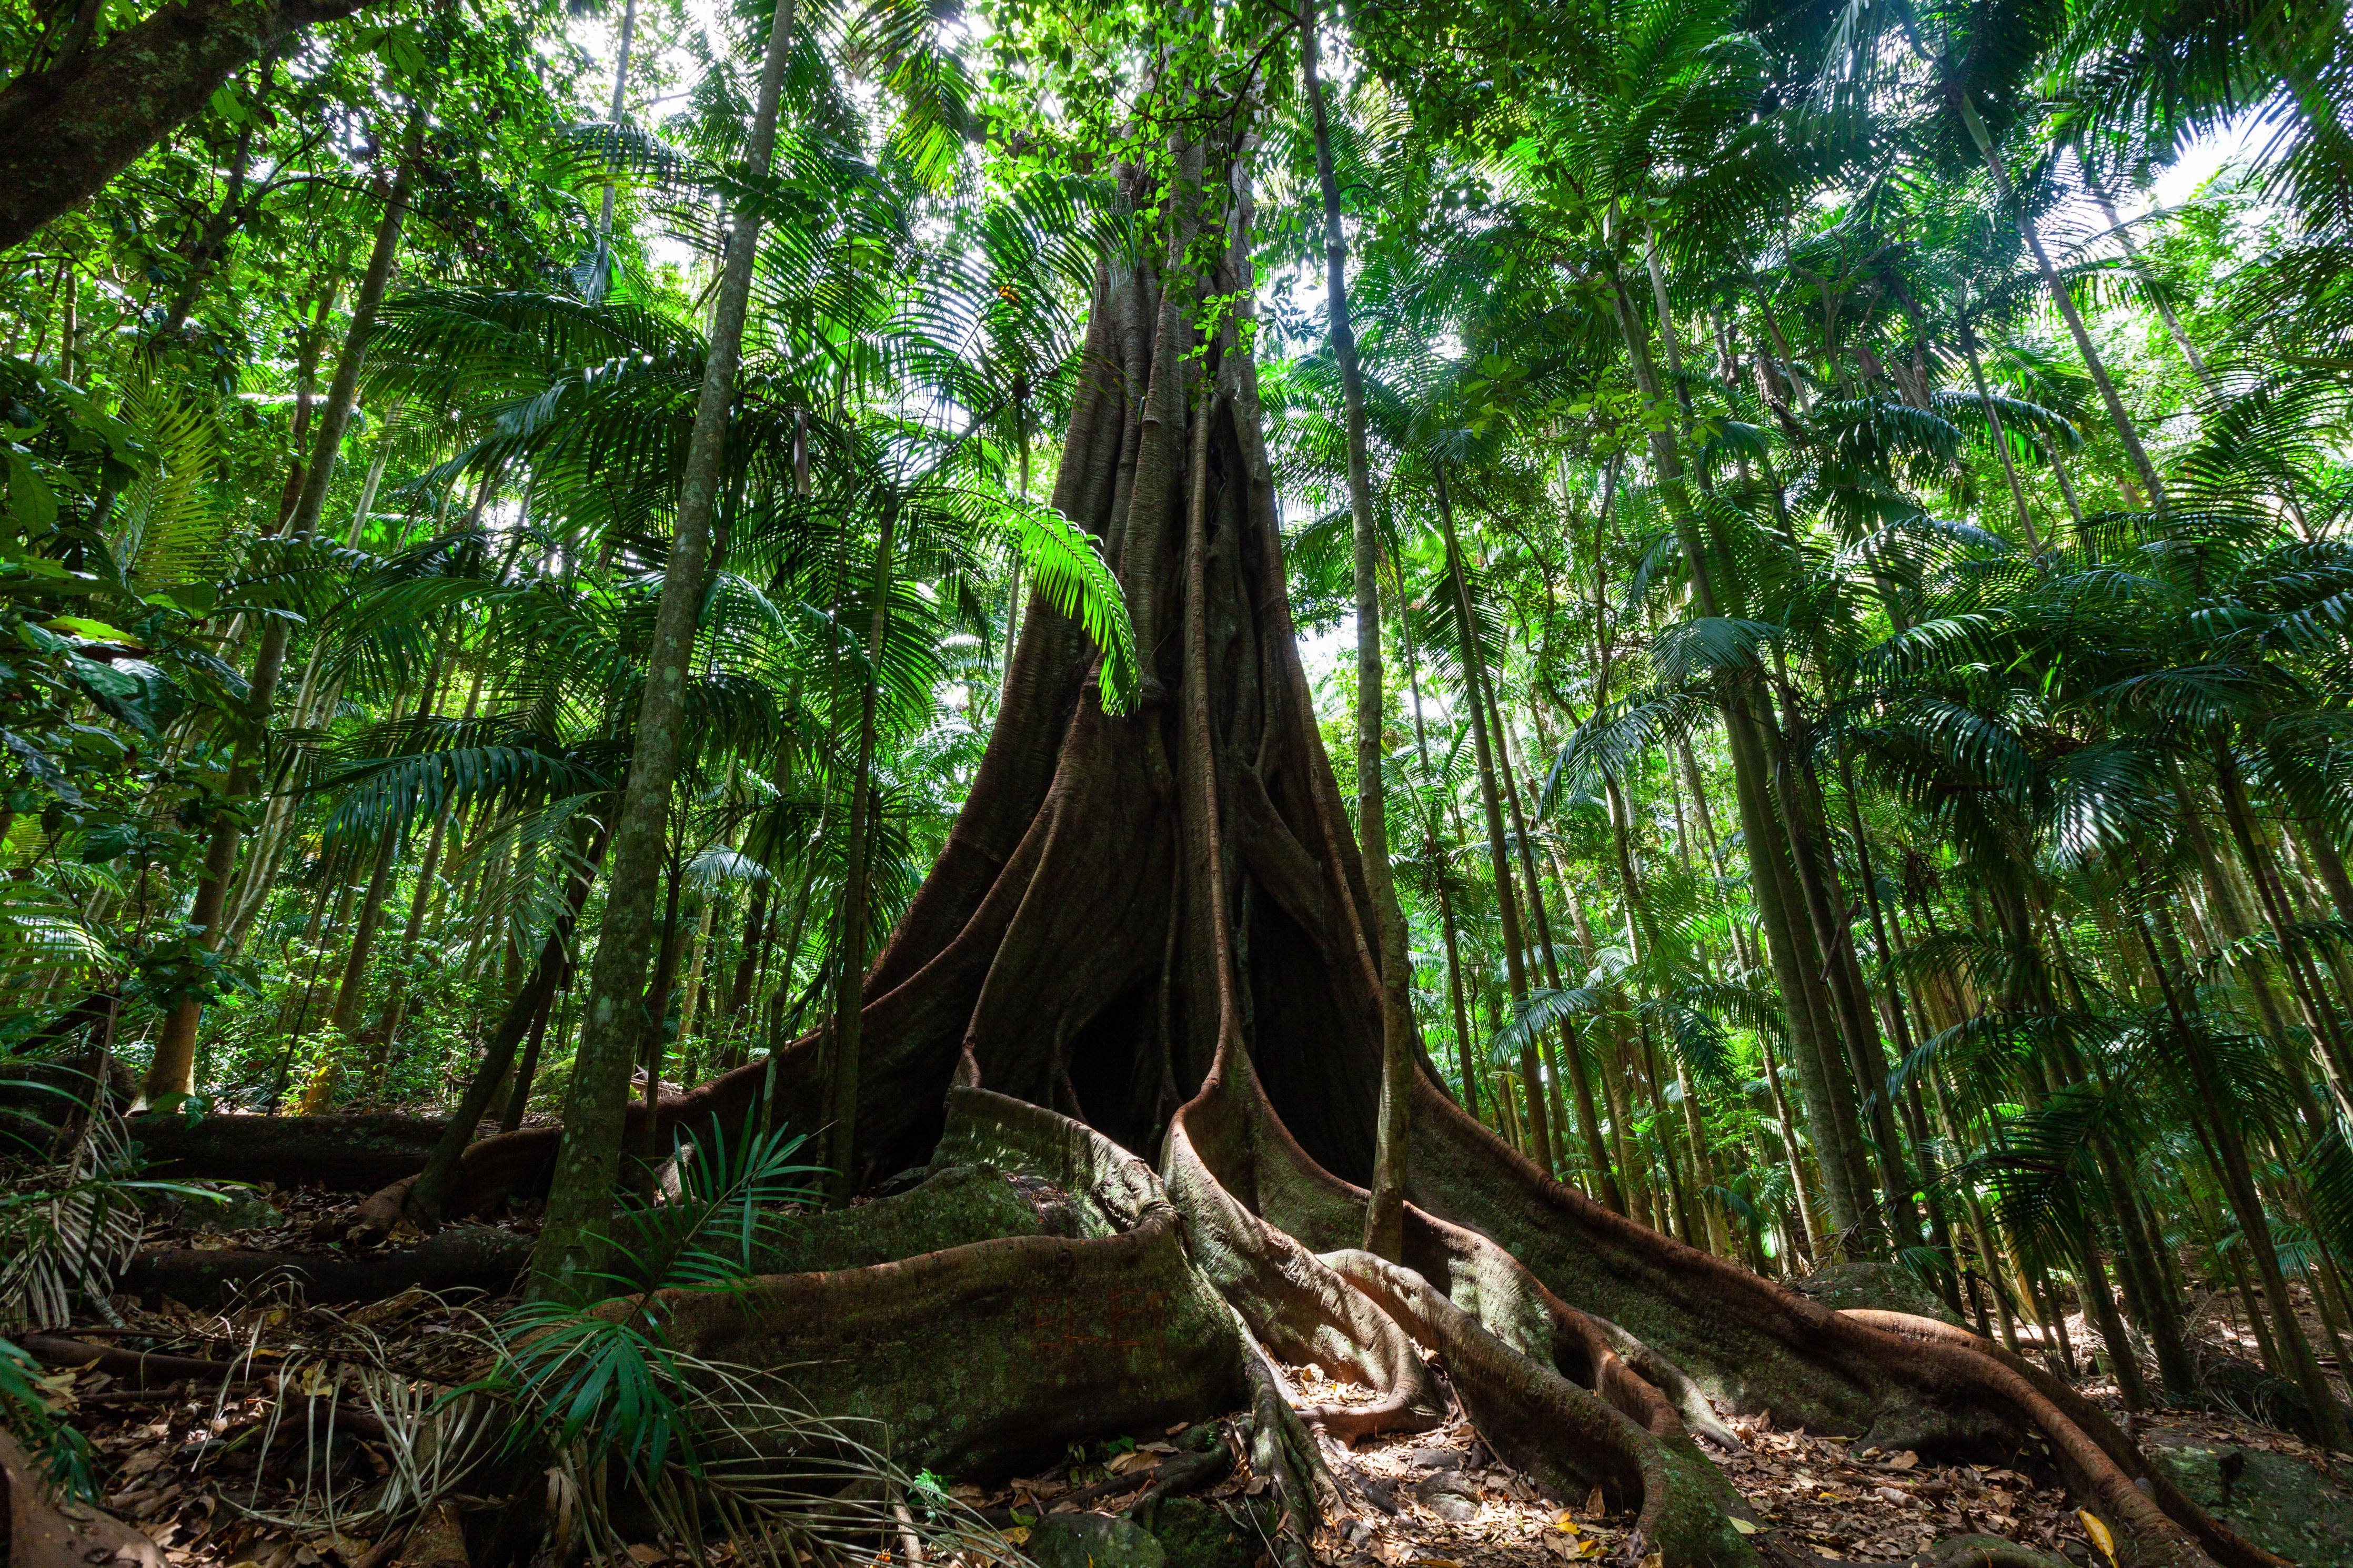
x,y
224,1474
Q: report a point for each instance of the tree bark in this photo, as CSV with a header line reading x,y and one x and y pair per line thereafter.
x,y
63,133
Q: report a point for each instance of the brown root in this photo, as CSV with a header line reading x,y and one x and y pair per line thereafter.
x,y
142,1369
1985,1552
995,1353
1902,1381
2100,1462
1567,1438
46,1530
463,1257
347,1153
1298,1306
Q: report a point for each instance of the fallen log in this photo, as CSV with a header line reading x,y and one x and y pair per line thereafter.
x,y
472,1256
348,1153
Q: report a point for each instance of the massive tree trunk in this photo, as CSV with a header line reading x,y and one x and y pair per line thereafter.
x,y
1148,936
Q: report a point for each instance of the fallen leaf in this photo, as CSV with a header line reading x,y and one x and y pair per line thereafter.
x,y
1743,1527
2098,1532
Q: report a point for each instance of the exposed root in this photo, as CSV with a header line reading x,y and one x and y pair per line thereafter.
x,y
47,1532
2099,1461
1567,1437
1902,1381
464,1258
1281,1450
1298,1307
349,1153
139,1368
1699,1416
1985,1552
995,1352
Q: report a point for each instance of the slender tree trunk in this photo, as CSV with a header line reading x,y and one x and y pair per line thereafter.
x,y
570,1245
620,109
1434,857
526,1073
2155,295
170,1074
2336,1052
1507,906
850,965
1830,1109
688,1003
2246,1204
1589,1122
1385,1213
1858,1024
2000,439
1939,1233
526,1012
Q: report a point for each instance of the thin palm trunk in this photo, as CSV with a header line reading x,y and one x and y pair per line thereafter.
x,y
2246,1202
2127,431
1385,1206
2000,439
620,108
1507,907
1434,858
554,1020
580,1195
1589,1122
849,960
525,1013
1822,1084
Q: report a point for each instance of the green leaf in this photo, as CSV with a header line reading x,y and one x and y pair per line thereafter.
x,y
87,629
1066,564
